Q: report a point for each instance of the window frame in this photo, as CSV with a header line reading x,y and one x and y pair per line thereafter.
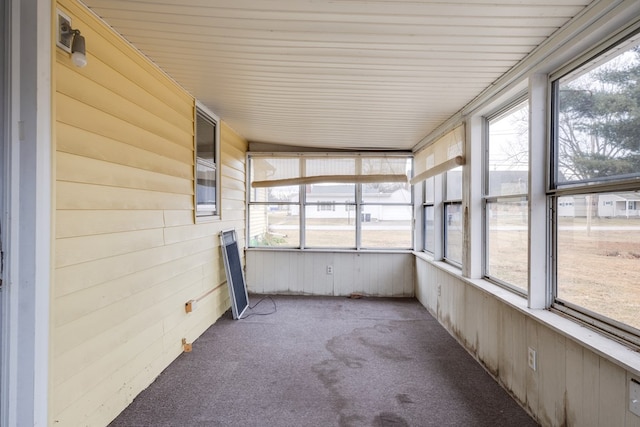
x,y
203,212
428,203
355,203
557,189
487,198
446,202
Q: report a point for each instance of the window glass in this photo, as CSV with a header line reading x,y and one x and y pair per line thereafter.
x,y
507,241
206,167
428,215
508,152
453,216
273,168
506,207
598,251
453,232
429,190
386,212
274,225
335,166
324,194
386,192
386,226
453,190
334,228
330,211
597,128
429,228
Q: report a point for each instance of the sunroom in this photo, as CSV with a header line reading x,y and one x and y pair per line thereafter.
x,y
480,157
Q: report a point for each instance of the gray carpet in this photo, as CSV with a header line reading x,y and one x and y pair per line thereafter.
x,y
326,361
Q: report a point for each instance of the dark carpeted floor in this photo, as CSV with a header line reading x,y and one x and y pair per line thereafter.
x,y
326,361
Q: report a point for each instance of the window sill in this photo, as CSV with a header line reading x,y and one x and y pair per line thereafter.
x,y
207,218
333,250
615,352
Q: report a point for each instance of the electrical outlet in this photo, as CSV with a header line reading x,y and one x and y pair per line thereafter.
x,y
329,269
439,290
532,359
634,396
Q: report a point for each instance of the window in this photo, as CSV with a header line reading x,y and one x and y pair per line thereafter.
x,y
274,212
428,215
453,220
206,169
595,169
505,189
326,206
386,208
375,215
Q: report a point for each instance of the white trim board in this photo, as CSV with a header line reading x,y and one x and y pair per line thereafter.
x,y
27,208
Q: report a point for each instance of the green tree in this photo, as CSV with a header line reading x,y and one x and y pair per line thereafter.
x,y
599,121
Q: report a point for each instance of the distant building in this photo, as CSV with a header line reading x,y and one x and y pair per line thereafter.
x,y
338,201
620,205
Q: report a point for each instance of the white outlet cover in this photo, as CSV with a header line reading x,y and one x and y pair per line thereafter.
x,y
531,359
634,397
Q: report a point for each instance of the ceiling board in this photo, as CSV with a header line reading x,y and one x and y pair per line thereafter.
x,y
374,74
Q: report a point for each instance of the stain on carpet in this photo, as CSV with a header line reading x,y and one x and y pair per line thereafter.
x,y
389,419
403,399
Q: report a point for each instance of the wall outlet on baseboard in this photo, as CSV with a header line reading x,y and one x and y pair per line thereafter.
x,y
329,269
532,359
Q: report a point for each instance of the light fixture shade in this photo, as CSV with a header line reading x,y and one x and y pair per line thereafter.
x,y
78,50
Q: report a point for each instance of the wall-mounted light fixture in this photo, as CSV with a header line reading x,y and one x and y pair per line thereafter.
x,y
70,40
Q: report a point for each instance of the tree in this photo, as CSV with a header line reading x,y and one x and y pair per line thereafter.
x,y
382,166
598,132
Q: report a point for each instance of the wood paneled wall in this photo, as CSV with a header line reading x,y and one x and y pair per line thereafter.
x,y
128,250
572,385
305,273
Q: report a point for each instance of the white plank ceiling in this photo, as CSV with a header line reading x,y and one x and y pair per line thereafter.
x,y
349,74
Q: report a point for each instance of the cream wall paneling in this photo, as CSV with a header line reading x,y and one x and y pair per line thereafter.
x,y
573,384
383,274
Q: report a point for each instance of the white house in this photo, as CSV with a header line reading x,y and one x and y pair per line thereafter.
x,y
338,201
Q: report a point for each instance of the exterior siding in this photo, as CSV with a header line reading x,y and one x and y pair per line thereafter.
x,y
128,250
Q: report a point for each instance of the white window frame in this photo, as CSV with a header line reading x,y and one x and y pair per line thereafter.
x,y
350,205
446,201
555,190
487,198
207,212
429,203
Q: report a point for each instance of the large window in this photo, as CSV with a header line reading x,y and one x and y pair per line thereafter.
x,y
368,215
206,169
595,189
506,186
